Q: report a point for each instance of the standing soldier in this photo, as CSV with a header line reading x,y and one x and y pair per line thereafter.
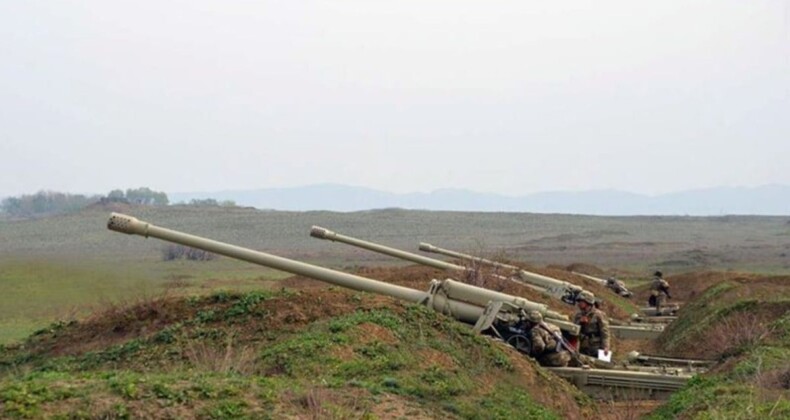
x,y
659,292
546,345
594,331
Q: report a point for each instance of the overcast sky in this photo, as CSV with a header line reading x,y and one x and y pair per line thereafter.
x,y
509,97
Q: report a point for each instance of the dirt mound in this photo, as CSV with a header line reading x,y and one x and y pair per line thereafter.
x,y
743,321
314,352
118,324
724,311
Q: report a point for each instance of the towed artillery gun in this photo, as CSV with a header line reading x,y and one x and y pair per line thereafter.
x,y
547,282
649,315
637,358
463,302
565,291
611,283
324,233
466,303
667,312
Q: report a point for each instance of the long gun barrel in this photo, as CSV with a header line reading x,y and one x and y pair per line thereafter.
x,y
567,292
324,233
561,289
598,280
616,286
461,301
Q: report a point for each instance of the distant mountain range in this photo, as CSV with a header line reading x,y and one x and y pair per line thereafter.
x,y
764,200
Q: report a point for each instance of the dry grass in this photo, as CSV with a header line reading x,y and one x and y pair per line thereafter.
x,y
775,379
627,406
737,332
227,359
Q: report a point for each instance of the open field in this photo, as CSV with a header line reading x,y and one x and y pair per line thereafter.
x,y
139,336
675,243
64,266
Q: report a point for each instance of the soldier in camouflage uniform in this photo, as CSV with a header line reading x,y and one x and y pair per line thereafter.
x,y
659,292
618,286
546,348
594,326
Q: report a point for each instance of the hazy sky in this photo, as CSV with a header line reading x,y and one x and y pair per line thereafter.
x,y
506,96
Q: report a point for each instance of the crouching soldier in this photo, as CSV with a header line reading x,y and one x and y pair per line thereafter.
x,y
545,338
618,287
594,326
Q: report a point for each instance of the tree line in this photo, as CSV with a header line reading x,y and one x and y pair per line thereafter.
x,y
47,203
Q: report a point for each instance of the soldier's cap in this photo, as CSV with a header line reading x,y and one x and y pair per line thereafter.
x,y
587,297
534,316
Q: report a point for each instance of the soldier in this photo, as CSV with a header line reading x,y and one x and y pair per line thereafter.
x,y
594,333
546,346
618,286
659,292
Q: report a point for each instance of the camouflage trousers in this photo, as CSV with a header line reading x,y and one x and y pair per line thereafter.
x,y
590,346
658,300
555,359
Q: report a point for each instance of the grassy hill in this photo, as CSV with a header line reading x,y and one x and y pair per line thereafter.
x,y
743,321
318,353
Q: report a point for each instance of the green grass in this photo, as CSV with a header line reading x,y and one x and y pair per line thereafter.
x,y
753,382
39,291
716,397
372,354
698,316
128,394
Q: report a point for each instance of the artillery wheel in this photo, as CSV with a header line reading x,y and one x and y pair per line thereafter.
x,y
521,343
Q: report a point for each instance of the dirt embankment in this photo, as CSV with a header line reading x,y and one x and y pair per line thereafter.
x,y
299,337
723,312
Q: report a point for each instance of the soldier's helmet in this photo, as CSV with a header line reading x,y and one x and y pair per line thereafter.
x,y
658,274
610,279
586,297
534,317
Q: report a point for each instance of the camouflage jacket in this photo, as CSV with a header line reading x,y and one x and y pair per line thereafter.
x,y
617,285
659,286
543,341
594,326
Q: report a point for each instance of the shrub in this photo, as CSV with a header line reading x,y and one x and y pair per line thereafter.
x,y
173,252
